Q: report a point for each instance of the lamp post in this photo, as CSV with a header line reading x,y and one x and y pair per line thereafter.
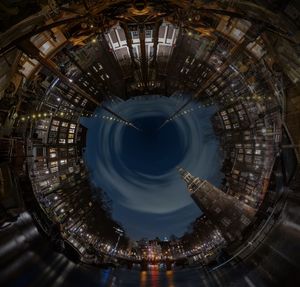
x,y
120,232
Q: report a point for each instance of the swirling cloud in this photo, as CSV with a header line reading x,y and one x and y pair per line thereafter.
x,y
138,168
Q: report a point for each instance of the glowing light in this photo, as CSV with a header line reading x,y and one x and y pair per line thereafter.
x,y
170,274
143,278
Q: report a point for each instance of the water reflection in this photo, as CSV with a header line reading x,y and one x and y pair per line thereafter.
x,y
169,275
153,277
106,277
143,278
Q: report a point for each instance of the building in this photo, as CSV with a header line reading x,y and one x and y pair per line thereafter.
x,y
231,216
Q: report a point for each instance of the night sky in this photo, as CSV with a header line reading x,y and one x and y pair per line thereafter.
x,y
137,169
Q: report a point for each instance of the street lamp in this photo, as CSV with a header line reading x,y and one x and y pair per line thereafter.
x,y
120,232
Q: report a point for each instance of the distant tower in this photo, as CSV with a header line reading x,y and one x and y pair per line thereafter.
x,y
229,214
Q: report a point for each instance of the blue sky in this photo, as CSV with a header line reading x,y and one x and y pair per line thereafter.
x,y
137,169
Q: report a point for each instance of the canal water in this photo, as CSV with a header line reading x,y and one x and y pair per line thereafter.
x,y
155,277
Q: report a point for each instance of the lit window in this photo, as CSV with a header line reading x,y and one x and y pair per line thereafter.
x,y
54,169
52,155
63,161
53,163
